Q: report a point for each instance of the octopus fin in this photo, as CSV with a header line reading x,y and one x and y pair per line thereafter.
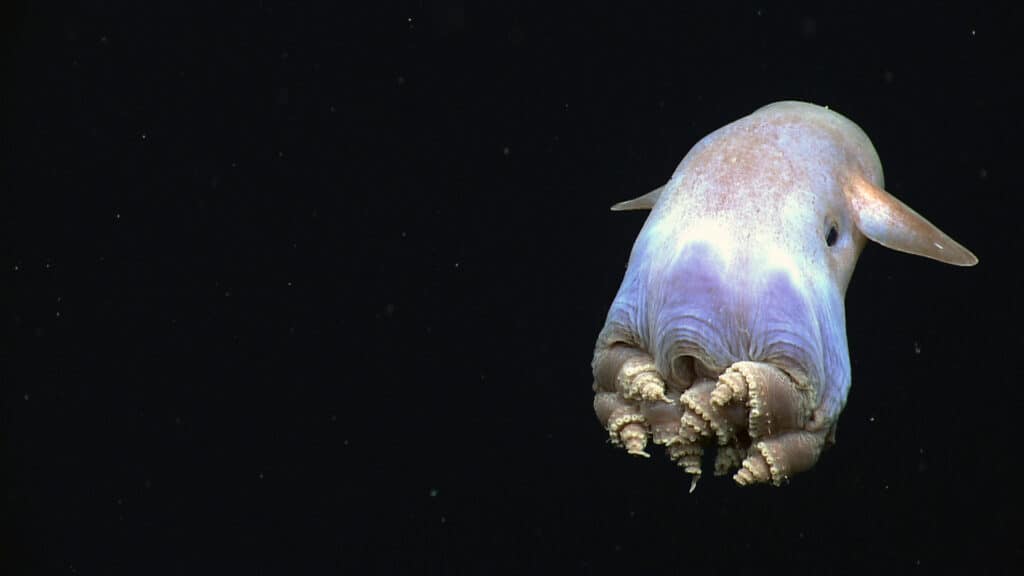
x,y
645,202
893,224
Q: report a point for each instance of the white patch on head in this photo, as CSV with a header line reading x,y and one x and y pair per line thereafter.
x,y
709,233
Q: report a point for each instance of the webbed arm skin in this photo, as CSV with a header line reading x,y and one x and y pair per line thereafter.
x,y
728,333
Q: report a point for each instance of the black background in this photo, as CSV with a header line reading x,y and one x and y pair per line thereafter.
x,y
305,288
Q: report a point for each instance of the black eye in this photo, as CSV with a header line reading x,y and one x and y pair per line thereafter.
x,y
832,235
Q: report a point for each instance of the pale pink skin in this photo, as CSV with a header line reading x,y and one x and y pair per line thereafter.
x,y
735,263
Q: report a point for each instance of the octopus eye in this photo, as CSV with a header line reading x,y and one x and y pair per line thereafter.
x,y
832,235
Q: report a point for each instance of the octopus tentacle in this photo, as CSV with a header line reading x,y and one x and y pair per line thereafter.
x,y
777,458
776,402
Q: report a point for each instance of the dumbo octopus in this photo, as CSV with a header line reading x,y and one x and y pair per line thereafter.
x,y
728,329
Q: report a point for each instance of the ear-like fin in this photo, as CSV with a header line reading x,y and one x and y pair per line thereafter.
x,y
645,202
893,224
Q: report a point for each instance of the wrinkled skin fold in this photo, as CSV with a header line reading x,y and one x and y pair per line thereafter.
x,y
728,333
